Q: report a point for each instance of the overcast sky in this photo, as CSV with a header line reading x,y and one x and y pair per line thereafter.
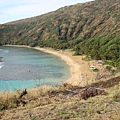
x,y
11,10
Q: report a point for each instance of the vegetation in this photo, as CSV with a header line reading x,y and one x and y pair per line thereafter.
x,y
90,28
62,102
95,70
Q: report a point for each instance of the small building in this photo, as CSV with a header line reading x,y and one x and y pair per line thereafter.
x,y
92,67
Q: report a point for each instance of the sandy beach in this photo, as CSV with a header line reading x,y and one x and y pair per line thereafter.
x,y
81,74
75,69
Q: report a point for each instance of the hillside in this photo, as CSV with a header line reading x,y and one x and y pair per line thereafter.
x,y
63,103
91,28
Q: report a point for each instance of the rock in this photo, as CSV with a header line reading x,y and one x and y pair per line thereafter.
x,y
91,92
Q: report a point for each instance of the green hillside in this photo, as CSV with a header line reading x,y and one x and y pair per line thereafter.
x,y
91,28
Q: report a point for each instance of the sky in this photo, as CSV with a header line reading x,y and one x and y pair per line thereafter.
x,y
11,10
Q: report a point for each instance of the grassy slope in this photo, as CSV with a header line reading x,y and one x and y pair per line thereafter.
x,y
89,28
53,103
83,21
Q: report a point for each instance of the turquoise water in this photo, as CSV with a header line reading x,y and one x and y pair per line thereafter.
x,y
22,68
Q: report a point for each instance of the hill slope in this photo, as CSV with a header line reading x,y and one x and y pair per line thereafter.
x,y
63,103
90,28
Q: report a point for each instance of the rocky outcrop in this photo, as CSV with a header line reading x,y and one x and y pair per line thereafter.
x,y
91,92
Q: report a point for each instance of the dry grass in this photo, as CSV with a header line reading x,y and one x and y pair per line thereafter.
x,y
63,102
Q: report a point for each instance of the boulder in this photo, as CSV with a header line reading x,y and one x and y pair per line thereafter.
x,y
91,92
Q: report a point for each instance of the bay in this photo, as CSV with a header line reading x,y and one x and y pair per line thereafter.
x,y
22,68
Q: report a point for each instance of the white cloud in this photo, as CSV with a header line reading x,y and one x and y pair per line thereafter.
x,y
19,9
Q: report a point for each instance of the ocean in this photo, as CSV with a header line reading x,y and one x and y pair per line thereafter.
x,y
22,68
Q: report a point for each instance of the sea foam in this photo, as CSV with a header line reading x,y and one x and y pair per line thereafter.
x,y
1,66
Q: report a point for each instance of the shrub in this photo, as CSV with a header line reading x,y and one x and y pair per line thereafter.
x,y
33,44
95,70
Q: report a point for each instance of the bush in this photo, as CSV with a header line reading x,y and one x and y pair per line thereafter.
x,y
95,70
33,44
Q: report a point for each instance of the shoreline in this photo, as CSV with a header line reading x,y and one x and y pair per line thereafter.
x,y
80,72
75,74
75,71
